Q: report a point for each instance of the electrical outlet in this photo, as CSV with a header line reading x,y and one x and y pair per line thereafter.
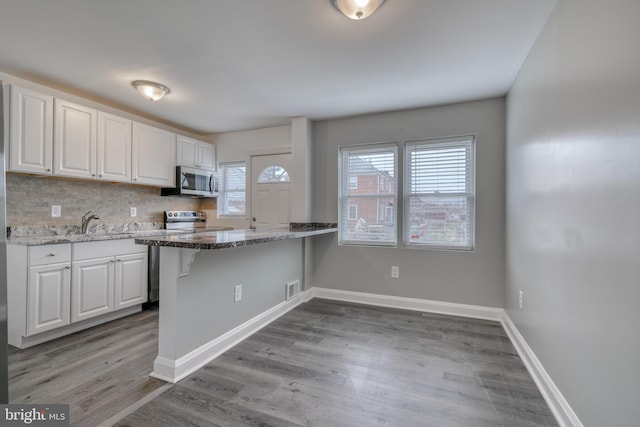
x,y
237,294
133,212
521,300
395,272
56,211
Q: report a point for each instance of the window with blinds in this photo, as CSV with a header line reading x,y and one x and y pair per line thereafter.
x,y
368,195
231,201
439,196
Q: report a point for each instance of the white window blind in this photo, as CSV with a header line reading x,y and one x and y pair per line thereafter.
x,y
231,201
439,199
368,209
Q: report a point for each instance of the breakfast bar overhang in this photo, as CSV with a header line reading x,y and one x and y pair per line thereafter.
x,y
198,318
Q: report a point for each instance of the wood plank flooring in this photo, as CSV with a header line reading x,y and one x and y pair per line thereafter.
x,y
98,372
328,363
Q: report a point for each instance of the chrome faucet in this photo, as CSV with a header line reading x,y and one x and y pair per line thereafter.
x,y
85,221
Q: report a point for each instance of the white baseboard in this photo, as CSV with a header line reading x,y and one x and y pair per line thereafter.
x,y
439,307
173,371
564,414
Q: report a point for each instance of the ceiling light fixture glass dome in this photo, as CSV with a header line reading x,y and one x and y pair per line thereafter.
x,y
357,9
151,90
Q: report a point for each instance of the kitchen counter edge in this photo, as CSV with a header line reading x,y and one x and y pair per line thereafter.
x,y
212,240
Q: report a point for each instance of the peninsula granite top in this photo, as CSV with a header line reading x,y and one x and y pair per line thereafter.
x,y
233,238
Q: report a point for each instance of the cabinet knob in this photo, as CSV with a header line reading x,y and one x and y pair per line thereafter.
x,y
99,175
52,254
93,174
68,267
113,260
48,170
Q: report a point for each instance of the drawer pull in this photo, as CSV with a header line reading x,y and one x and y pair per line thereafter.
x,y
52,254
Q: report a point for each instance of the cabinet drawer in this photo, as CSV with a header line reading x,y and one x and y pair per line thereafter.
x,y
106,248
49,254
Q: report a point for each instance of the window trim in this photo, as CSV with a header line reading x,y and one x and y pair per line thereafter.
x,y
221,171
369,147
405,193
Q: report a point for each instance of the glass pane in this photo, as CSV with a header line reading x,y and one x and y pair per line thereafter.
x,y
369,220
368,192
231,201
273,173
439,221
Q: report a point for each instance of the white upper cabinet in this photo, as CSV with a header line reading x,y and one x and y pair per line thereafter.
x,y
114,148
75,139
30,131
53,136
196,154
207,156
153,156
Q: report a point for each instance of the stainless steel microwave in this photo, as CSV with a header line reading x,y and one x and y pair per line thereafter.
x,y
193,182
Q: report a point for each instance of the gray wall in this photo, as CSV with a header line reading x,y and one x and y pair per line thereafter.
x,y
573,206
459,277
206,294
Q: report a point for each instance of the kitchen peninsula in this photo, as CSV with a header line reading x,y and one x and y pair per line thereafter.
x,y
217,288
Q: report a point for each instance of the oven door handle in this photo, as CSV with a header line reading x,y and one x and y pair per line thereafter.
x,y
210,183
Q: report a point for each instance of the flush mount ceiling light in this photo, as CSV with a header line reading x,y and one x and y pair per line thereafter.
x,y
357,9
151,90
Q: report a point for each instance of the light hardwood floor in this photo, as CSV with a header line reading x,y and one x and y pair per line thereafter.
x,y
324,363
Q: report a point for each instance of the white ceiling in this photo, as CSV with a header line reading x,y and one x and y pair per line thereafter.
x,y
241,64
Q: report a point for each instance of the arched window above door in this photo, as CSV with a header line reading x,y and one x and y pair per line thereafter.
x,y
272,174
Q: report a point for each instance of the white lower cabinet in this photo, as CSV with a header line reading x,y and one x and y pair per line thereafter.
x,y
62,288
48,293
130,280
107,276
92,288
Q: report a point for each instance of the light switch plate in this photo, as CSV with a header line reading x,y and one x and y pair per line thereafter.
x,y
133,212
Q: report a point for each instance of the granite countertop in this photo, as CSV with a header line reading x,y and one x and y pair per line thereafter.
x,y
234,238
36,240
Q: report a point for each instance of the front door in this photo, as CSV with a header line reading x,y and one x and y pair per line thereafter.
x,y
270,191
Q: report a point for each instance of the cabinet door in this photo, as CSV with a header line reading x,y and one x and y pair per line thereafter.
x,y
131,280
187,153
30,132
92,288
207,156
74,143
48,291
153,156
114,148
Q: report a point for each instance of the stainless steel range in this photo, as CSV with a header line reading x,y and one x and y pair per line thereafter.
x,y
185,220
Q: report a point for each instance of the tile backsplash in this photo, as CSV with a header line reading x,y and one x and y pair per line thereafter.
x,y
29,200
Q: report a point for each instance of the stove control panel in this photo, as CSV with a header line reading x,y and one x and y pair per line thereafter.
x,y
185,216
